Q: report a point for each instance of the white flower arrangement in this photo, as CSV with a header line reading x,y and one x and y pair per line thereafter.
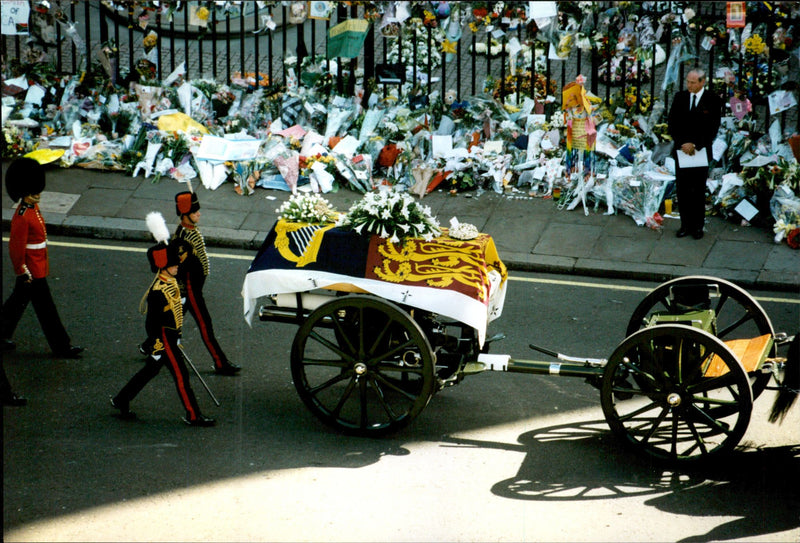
x,y
557,120
391,214
307,208
462,230
406,56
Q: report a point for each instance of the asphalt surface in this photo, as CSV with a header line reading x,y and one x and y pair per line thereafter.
x,y
500,457
531,234
504,458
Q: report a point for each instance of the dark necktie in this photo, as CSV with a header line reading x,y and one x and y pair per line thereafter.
x,y
694,102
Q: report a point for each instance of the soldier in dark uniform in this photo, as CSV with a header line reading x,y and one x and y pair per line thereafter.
x,y
27,248
163,324
192,276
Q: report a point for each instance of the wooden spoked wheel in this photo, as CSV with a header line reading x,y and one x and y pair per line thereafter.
x,y
363,365
676,393
738,314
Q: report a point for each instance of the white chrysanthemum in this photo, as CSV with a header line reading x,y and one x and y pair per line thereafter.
x,y
391,214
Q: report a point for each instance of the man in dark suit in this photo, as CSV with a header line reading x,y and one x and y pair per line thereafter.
x,y
694,120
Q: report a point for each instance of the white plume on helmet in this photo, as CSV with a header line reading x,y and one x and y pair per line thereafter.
x,y
157,226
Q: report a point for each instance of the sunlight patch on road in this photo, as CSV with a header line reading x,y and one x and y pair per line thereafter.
x,y
498,479
388,497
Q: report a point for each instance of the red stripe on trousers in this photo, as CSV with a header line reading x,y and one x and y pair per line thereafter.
x,y
201,323
178,377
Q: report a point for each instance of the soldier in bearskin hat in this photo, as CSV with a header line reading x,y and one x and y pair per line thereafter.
x,y
192,276
164,310
27,247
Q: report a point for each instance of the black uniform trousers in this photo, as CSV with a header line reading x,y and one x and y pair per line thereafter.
x,y
196,305
172,358
38,293
690,188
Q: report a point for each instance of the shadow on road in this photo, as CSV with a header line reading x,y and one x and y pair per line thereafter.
x,y
584,462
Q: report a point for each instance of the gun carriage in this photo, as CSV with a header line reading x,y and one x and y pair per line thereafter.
x,y
382,328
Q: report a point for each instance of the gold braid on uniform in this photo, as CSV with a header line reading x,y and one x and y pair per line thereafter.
x,y
173,295
195,238
143,301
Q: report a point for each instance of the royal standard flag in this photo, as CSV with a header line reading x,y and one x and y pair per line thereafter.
x,y
346,39
460,279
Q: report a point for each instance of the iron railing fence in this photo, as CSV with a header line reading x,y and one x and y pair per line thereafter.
x,y
237,41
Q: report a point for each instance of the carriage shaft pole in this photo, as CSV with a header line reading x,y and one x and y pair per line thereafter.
x,y
571,369
553,368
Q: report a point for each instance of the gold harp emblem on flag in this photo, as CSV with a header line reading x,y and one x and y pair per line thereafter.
x,y
307,237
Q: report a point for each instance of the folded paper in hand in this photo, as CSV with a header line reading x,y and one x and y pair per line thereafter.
x,y
698,160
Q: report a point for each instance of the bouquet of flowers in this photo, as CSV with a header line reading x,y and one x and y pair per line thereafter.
x,y
542,87
766,178
619,71
306,162
495,14
307,208
18,142
661,131
246,174
391,214
462,180
639,197
415,37
785,209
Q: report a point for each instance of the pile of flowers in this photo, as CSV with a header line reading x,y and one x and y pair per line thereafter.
x,y
307,208
391,214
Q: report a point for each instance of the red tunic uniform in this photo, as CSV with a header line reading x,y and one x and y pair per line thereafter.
x,y
27,246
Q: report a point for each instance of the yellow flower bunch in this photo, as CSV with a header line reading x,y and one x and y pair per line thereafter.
x,y
307,161
150,40
755,45
643,103
202,13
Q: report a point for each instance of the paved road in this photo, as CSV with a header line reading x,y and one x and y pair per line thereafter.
x,y
501,457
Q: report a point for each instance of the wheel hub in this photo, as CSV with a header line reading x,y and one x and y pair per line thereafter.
x,y
360,368
674,399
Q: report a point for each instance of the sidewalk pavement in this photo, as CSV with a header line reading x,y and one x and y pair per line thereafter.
x,y
531,234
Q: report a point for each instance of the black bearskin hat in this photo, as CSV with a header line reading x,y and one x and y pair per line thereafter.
x,y
25,176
